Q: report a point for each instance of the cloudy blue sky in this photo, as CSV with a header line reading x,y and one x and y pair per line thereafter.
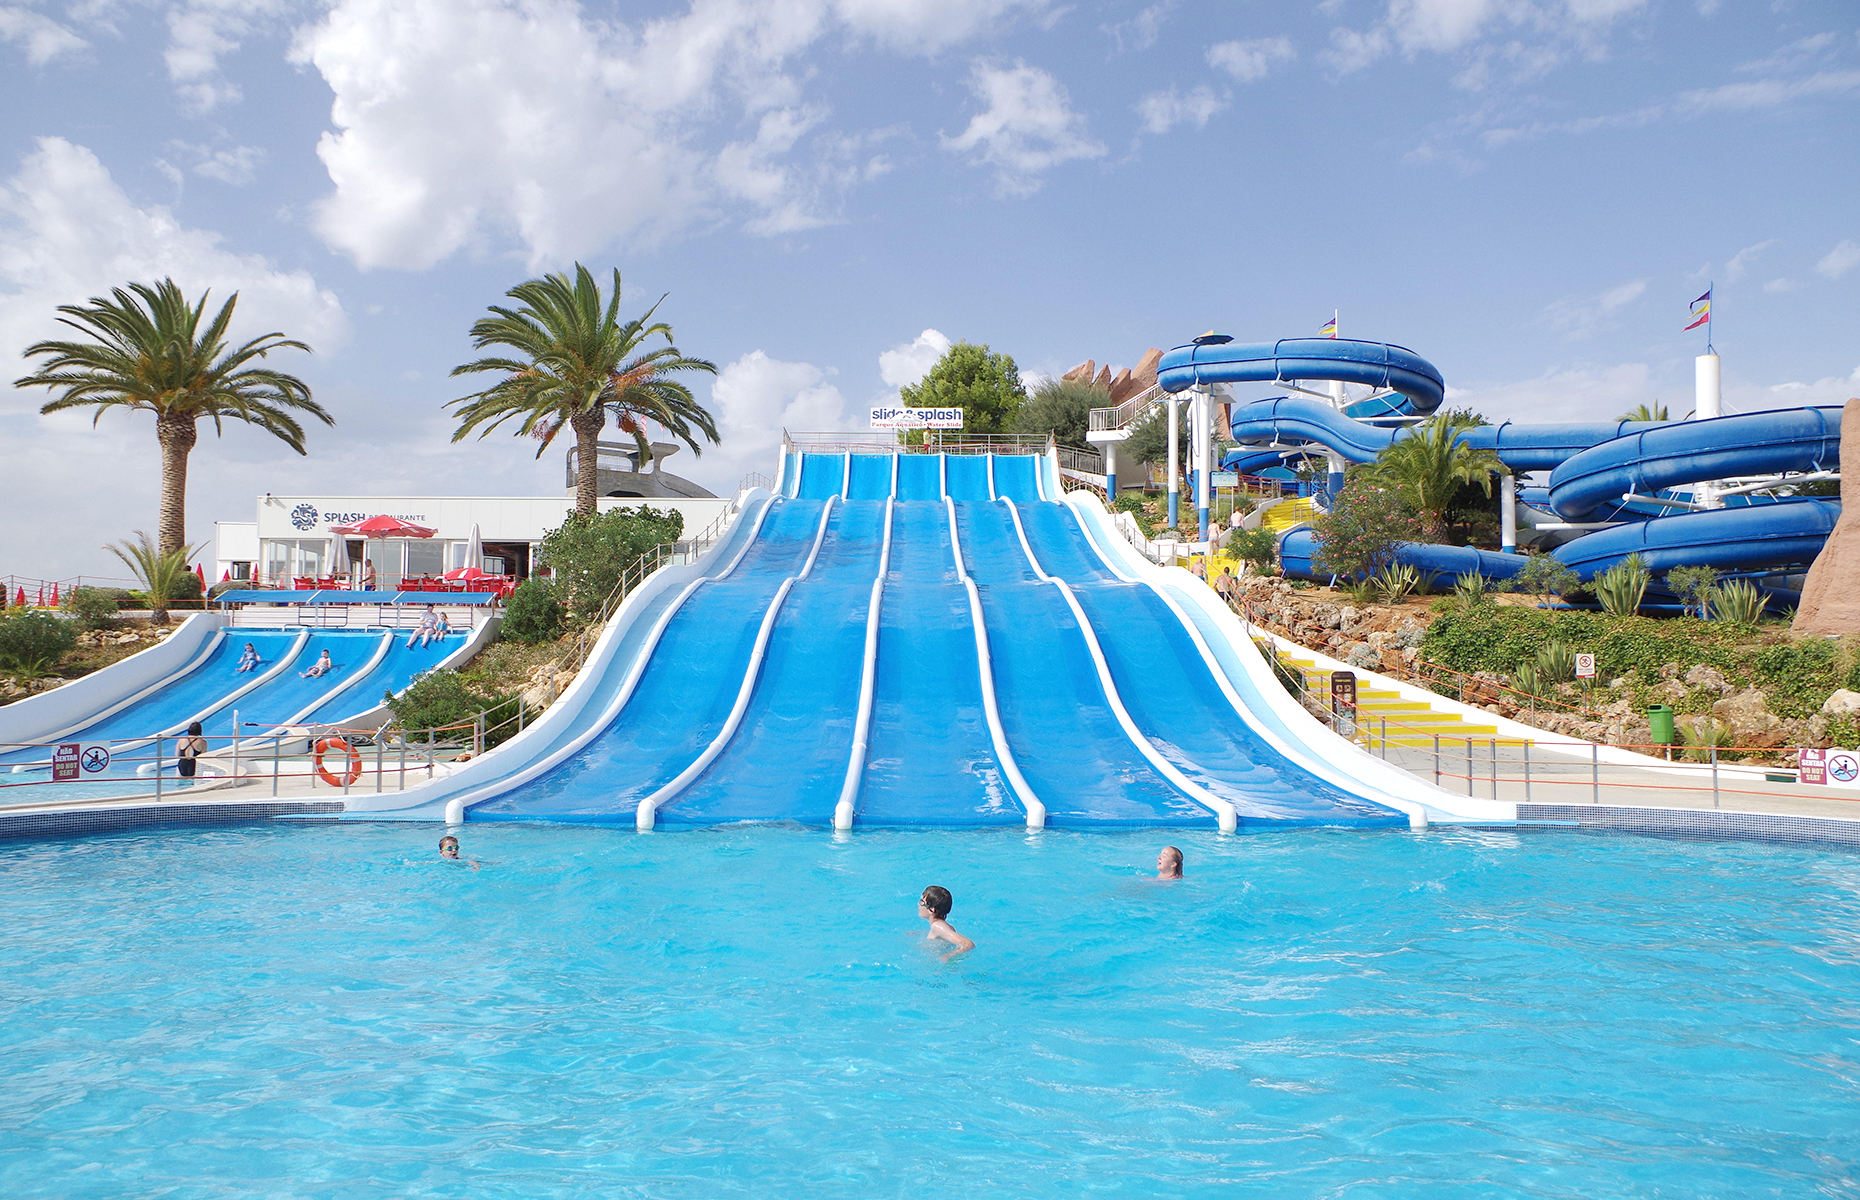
x,y
1527,192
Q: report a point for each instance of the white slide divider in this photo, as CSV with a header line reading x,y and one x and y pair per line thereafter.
x,y
895,460
985,663
942,476
1342,762
648,813
71,706
1223,810
846,477
483,777
868,686
355,677
800,469
991,476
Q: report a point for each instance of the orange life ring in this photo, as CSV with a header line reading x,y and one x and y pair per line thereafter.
x,y
355,761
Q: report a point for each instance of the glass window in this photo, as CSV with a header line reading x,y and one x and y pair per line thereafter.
x,y
278,561
426,558
310,557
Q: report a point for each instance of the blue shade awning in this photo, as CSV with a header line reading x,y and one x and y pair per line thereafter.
x,y
331,596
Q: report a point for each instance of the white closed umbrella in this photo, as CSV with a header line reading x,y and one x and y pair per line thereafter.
x,y
474,548
339,563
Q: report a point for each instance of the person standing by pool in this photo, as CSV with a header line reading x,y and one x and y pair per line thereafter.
x,y
189,751
248,660
1169,863
933,906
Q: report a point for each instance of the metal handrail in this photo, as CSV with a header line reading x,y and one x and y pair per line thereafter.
x,y
1129,412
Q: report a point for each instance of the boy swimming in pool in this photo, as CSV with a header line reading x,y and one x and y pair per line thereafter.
x,y
934,906
449,850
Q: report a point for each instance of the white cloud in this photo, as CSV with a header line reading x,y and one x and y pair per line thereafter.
x,y
42,38
237,165
1840,260
1163,111
1740,262
754,399
1450,26
1793,57
68,232
1833,389
459,123
1142,30
905,364
1582,318
1567,394
1027,128
200,33
1247,61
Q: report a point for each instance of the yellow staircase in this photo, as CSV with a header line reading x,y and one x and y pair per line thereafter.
x,y
1411,723
1281,517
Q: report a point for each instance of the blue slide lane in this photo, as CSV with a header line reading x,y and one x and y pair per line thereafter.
x,y
871,477
968,477
288,693
919,477
1373,363
930,760
1174,698
392,674
1015,477
199,690
1059,725
788,759
822,475
683,696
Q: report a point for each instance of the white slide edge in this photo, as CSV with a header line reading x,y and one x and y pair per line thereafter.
x,y
846,808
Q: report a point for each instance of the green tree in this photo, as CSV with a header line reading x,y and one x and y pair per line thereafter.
x,y
31,643
1366,525
590,554
985,386
1645,412
1149,440
439,698
1428,469
1061,407
90,608
1694,587
1544,577
146,350
163,573
575,360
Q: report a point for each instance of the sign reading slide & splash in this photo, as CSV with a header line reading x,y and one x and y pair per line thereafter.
x,y
79,760
917,418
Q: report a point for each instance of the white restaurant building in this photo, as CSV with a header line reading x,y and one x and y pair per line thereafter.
x,y
291,538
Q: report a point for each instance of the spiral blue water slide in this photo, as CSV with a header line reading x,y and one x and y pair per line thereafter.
x,y
1593,466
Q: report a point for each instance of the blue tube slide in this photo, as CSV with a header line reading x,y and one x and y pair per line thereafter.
x,y
1376,364
1765,537
1673,453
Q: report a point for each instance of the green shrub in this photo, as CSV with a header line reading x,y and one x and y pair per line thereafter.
x,y
439,698
90,608
534,613
1396,582
1257,546
1738,602
31,643
1694,587
1621,587
589,554
1360,534
1544,577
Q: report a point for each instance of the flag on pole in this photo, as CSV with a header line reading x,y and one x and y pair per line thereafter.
x,y
1701,310
1330,328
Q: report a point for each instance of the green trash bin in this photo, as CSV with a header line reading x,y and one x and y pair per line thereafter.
x,y
1660,718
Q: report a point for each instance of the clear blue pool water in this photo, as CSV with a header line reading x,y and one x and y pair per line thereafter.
x,y
303,1010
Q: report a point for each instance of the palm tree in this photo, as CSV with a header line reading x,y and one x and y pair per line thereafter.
x,y
1429,466
147,351
160,571
576,362
1644,412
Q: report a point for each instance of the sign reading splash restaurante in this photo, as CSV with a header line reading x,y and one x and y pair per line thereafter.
x,y
917,418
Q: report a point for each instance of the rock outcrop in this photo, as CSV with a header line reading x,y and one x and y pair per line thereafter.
x,y
1126,382
1831,597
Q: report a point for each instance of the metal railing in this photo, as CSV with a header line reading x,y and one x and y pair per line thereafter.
x,y
1139,406
930,441
1073,459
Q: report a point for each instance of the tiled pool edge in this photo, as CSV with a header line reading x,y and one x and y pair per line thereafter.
x,y
77,821
1702,824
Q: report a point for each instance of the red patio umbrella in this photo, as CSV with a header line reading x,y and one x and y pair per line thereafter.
x,y
463,573
383,526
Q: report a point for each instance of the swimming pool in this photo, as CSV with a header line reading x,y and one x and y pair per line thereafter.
x,y
310,1010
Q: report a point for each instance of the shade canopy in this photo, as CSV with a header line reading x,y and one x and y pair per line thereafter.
x,y
383,526
464,573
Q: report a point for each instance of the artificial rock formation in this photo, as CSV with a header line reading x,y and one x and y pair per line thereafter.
x,y
1127,382
1831,598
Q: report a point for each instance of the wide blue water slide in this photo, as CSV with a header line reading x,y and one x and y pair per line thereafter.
x,y
1058,720
288,693
211,685
1017,477
393,673
931,760
1170,692
1376,364
788,757
685,693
